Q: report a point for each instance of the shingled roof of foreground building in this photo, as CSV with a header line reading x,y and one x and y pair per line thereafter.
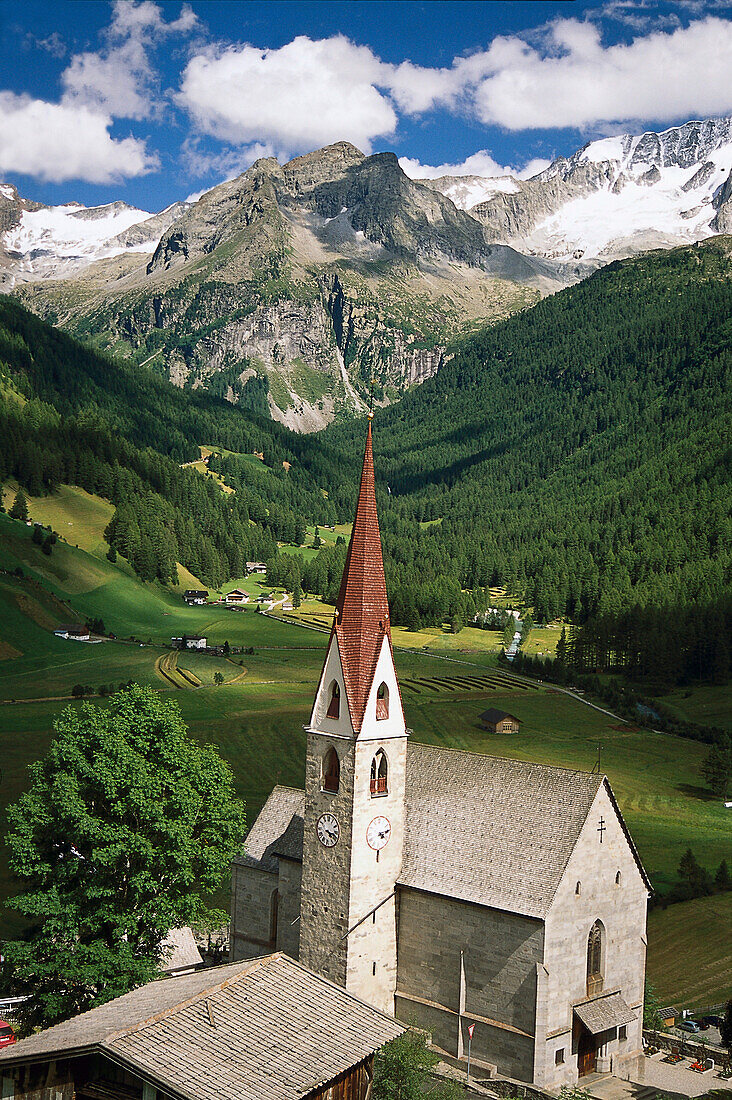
x,y
264,1029
461,808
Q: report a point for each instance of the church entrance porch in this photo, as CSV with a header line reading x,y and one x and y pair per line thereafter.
x,y
586,1049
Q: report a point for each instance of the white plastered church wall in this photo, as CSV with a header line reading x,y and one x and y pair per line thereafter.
x,y
382,729
332,671
621,907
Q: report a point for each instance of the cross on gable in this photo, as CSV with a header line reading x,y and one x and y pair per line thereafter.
x,y
602,828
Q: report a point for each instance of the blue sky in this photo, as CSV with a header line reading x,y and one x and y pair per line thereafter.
x,y
151,102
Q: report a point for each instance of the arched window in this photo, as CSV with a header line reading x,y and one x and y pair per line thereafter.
x,y
379,774
334,706
618,878
595,958
331,771
578,888
382,702
274,905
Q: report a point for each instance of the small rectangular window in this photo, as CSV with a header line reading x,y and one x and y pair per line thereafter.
x,y
559,1057
623,1032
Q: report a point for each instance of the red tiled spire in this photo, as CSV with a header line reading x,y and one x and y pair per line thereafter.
x,y
362,611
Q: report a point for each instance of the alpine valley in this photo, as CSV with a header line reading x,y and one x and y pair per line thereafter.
x,y
294,289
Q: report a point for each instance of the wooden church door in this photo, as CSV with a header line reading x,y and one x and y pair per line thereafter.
x,y
586,1053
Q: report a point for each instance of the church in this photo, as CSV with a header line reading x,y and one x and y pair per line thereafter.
x,y
450,889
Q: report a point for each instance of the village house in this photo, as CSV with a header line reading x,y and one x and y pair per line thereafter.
x,y
498,721
73,632
256,567
236,597
451,889
188,641
267,1027
195,596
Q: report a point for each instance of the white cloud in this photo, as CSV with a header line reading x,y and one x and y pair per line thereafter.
x,y
578,82
57,142
300,96
477,164
224,164
119,79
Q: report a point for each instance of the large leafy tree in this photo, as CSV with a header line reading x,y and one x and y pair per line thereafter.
x,y
127,828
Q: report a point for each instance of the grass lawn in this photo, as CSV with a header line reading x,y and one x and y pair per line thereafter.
x,y
255,717
689,953
77,516
707,704
542,641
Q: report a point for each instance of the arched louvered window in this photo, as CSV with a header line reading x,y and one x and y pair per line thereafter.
x,y
331,777
382,702
379,774
578,888
595,958
334,704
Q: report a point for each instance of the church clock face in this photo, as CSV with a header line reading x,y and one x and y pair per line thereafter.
x,y
328,830
378,833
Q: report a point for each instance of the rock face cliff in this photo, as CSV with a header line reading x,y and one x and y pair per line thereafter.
x,y
613,197
300,289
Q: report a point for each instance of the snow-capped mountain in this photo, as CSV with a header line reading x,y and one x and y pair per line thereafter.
x,y
616,196
56,241
467,191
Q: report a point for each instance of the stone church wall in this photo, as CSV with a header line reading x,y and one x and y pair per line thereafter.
x,y
251,898
621,907
288,924
494,983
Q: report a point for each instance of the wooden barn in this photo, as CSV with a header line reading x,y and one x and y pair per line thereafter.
x,y
267,1027
499,721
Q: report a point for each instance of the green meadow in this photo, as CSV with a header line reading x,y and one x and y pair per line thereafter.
x,y
256,717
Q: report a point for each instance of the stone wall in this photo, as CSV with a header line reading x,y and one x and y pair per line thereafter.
x,y
601,882
460,963
251,900
288,924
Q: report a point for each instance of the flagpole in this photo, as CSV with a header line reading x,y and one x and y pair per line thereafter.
x,y
470,1039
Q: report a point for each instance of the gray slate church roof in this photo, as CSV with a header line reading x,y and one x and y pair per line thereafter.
x,y
264,1029
478,828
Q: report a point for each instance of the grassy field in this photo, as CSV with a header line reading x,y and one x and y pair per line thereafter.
x,y
255,717
689,953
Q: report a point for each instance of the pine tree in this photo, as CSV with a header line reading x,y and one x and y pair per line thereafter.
x,y
722,879
717,766
19,508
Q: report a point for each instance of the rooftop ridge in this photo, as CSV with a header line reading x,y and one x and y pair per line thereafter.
x,y
421,745
247,967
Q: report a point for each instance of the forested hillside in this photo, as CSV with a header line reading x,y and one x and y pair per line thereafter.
x,y
70,415
578,454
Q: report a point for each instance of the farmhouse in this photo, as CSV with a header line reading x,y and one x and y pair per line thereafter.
x,y
195,596
451,889
237,596
267,1027
498,721
256,567
188,641
73,632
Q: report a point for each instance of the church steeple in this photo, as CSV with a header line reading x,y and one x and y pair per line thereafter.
x,y
362,611
358,686
355,779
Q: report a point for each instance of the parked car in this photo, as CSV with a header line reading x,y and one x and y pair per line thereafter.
x,y
713,1021
7,1035
688,1025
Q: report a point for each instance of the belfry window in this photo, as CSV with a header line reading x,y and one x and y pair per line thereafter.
x,y
379,774
595,959
382,702
334,706
331,777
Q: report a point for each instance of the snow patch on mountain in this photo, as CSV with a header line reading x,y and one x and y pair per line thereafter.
x,y
468,191
56,241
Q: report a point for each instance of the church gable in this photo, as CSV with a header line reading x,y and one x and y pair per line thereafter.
x,y
383,715
330,713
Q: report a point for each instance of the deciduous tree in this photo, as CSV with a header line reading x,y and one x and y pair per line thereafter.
x,y
127,827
